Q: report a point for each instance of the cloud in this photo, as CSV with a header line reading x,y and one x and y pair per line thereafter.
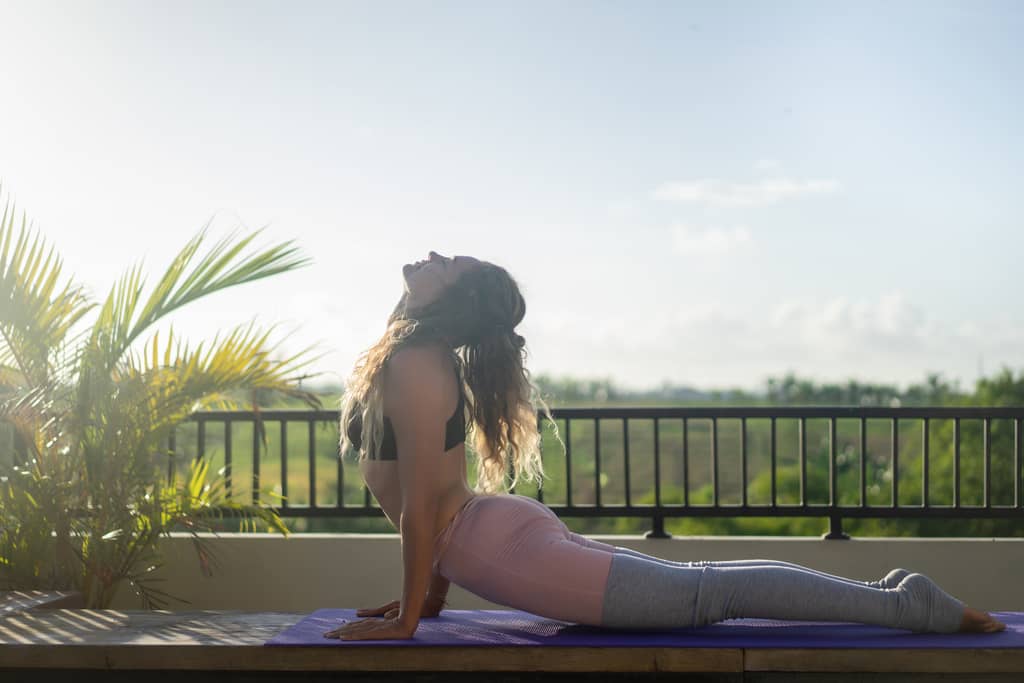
x,y
850,327
699,339
711,241
718,193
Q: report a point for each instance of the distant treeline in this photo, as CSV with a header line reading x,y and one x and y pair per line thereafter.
x,y
785,391
788,390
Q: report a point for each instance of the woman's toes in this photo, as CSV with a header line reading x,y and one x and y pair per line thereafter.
x,y
976,621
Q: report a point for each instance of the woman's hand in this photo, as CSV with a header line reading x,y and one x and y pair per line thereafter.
x,y
372,629
431,608
388,611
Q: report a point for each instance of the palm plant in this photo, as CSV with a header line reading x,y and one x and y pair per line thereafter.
x,y
86,411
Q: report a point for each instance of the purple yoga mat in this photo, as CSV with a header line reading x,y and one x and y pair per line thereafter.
x,y
513,627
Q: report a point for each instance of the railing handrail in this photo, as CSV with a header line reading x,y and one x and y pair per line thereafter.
x,y
641,412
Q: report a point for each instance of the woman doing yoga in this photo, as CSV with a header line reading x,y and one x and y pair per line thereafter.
x,y
450,352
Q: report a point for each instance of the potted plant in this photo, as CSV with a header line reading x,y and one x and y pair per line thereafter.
x,y
87,405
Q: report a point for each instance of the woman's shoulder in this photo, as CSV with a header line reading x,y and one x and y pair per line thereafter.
x,y
418,359
426,369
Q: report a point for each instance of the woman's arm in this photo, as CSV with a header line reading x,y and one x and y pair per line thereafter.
x,y
415,390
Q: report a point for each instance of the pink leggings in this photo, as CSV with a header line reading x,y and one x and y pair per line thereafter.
x,y
514,551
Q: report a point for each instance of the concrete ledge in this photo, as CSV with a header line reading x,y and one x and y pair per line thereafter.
x,y
267,572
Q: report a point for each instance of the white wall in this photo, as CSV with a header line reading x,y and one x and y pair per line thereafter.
x,y
264,572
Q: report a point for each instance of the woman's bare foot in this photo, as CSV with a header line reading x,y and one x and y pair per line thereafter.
x,y
976,621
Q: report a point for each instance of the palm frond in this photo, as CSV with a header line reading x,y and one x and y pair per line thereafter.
x,y
180,378
222,267
35,312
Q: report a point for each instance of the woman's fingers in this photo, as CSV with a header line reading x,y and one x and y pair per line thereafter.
x,y
370,629
393,609
352,627
376,629
344,628
377,611
388,611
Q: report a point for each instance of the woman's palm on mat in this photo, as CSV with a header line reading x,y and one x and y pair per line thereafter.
x,y
431,608
386,628
371,629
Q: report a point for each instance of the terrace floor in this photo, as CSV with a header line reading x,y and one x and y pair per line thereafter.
x,y
45,645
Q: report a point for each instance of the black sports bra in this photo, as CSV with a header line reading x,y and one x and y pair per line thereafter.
x,y
454,432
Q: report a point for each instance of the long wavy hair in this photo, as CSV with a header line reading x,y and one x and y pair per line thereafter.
x,y
475,317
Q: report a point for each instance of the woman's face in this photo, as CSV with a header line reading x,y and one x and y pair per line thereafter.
x,y
425,280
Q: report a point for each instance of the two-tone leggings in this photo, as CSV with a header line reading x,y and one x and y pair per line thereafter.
x,y
513,551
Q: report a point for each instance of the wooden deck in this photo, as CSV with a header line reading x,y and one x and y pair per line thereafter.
x,y
21,601
81,644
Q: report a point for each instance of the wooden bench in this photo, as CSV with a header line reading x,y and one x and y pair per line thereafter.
x,y
43,645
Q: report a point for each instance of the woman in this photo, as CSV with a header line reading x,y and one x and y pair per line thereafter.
x,y
451,350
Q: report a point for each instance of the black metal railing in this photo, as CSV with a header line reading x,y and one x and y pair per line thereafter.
x,y
827,484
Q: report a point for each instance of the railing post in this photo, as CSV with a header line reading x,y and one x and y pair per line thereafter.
x,y
835,529
659,529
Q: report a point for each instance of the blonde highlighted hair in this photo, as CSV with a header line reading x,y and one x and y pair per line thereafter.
x,y
475,317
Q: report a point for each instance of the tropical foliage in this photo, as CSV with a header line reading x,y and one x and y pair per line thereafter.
x,y
89,395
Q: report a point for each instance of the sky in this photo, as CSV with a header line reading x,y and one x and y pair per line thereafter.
x,y
701,193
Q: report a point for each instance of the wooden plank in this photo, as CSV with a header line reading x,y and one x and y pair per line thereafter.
x,y
19,601
950,660
219,640
143,627
228,640
432,658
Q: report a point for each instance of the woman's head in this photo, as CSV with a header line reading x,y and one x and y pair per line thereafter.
x,y
472,308
425,280
460,300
